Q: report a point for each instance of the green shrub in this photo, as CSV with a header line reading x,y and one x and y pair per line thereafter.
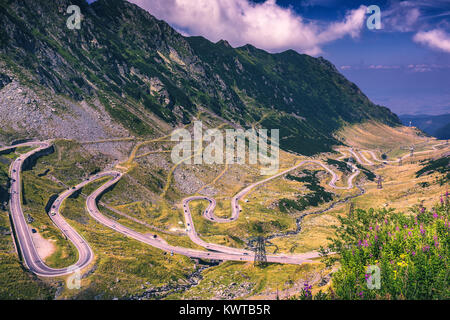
x,y
315,198
411,250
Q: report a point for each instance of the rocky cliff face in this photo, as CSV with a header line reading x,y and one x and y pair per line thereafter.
x,y
126,73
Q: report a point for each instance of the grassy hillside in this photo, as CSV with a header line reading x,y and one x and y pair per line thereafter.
x,y
147,76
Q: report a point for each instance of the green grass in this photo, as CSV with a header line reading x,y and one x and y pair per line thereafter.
x,y
411,251
122,265
317,196
223,281
71,163
35,196
15,282
23,150
440,165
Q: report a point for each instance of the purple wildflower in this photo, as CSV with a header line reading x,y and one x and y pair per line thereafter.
x,y
422,230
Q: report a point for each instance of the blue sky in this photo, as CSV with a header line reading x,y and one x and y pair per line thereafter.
x,y
405,65
387,64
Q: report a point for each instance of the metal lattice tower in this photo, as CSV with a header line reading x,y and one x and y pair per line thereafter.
x,y
412,151
350,210
401,161
379,185
260,252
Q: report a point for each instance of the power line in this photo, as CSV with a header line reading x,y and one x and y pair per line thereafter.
x,y
260,252
379,184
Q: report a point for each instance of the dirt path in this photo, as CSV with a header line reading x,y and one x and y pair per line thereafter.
x,y
44,247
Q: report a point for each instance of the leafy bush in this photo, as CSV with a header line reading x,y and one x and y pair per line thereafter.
x,y
342,166
441,165
315,198
411,251
369,174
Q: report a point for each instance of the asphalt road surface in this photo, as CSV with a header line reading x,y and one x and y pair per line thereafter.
x,y
235,207
85,255
229,254
30,256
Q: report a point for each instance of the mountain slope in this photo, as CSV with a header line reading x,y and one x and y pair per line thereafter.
x,y
437,126
144,77
443,132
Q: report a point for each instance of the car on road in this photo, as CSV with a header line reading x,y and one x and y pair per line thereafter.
x,y
33,230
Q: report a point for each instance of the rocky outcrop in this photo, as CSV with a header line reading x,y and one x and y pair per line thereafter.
x,y
4,80
126,73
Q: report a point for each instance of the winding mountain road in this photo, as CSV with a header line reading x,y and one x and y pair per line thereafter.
x,y
85,254
224,253
372,153
235,208
30,256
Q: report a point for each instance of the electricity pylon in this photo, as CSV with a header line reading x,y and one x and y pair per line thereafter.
x,y
379,185
260,252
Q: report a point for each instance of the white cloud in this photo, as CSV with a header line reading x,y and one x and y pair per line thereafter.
x,y
436,39
427,67
407,68
265,25
420,67
401,16
383,67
